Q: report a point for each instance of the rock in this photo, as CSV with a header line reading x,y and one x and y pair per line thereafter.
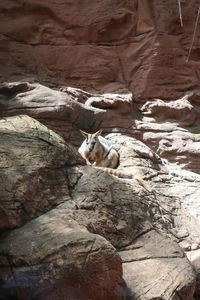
x,y
163,126
60,111
33,178
120,47
161,196
177,146
125,67
144,251
151,260
194,257
181,110
52,257
106,193
56,247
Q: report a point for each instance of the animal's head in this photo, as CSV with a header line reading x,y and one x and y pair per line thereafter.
x,y
91,139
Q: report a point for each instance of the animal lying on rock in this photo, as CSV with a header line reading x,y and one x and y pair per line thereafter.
x,y
99,153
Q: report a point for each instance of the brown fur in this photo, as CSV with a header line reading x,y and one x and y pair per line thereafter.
x,y
98,156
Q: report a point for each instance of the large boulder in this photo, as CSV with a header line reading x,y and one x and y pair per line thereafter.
x,y
152,259
52,257
32,174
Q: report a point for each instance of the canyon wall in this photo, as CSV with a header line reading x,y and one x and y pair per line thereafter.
x,y
102,45
68,231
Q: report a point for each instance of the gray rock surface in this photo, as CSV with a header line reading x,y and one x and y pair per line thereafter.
x,y
32,174
129,68
144,262
52,257
144,218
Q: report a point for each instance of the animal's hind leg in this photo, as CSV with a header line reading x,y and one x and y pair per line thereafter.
x,y
112,160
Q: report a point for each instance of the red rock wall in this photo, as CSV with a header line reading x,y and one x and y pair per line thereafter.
x,y
102,45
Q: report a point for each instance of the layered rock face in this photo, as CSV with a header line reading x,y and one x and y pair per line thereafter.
x,y
137,48
67,230
77,232
169,128
103,46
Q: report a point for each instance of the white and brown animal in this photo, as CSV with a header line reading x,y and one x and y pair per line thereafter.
x,y
97,151
100,154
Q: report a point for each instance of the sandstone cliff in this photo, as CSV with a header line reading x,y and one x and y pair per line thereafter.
x,y
103,45
69,231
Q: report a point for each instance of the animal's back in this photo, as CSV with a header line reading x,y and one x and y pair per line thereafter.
x,y
104,142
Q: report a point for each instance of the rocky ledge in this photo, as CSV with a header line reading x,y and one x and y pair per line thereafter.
x,y
69,230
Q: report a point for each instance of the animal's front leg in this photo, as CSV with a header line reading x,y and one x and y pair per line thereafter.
x,y
86,156
98,159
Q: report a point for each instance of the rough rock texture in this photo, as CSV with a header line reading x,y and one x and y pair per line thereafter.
x,y
149,252
54,258
170,128
123,66
32,174
194,257
141,218
102,46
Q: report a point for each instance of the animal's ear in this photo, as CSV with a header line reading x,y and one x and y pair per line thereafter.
x,y
84,133
99,132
